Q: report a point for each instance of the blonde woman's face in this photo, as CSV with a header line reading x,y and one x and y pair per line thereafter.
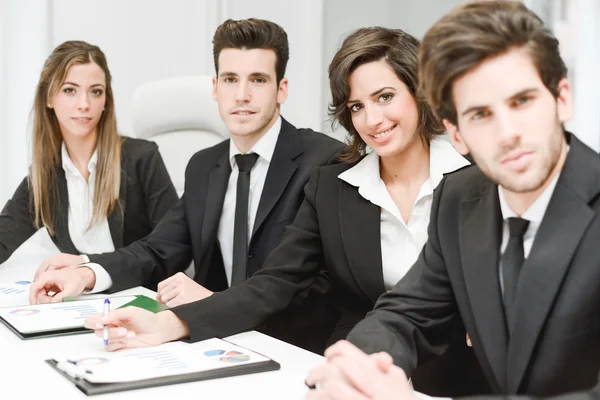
x,y
80,101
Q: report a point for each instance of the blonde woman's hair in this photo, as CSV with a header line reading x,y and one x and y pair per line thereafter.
x,y
47,138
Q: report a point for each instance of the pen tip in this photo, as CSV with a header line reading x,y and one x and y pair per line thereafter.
x,y
106,342
107,301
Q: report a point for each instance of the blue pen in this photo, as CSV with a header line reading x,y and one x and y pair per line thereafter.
x,y
105,329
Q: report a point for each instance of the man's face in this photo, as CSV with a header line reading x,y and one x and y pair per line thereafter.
x,y
247,91
509,121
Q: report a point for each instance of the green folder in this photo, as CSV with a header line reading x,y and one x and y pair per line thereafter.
x,y
146,303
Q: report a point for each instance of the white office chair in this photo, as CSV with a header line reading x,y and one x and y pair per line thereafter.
x,y
180,115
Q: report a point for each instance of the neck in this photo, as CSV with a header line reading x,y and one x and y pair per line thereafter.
x,y
80,151
411,166
245,142
520,202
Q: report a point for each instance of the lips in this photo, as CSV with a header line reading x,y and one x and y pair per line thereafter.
x,y
518,160
81,120
243,113
383,133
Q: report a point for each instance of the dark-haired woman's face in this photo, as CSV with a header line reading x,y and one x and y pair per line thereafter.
x,y
383,111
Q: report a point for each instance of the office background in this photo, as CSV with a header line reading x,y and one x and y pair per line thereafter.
x,y
146,40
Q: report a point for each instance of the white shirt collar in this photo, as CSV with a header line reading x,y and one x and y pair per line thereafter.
x,y
265,147
68,165
535,213
443,158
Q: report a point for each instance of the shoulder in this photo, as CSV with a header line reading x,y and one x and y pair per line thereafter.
x,y
312,140
133,148
466,183
210,154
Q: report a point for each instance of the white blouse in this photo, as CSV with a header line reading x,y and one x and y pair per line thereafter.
x,y
401,242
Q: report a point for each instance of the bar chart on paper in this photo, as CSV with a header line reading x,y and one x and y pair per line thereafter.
x,y
14,293
56,316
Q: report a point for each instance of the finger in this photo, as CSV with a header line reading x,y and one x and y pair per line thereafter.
x,y
34,289
344,348
176,301
165,283
340,390
322,373
360,375
383,360
120,316
115,333
42,268
91,321
115,346
58,297
169,292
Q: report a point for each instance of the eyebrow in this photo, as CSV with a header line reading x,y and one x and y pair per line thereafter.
x,y
511,98
252,75
76,85
375,93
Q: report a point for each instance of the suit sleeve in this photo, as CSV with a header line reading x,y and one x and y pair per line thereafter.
x,y
16,221
592,394
159,192
165,251
418,317
290,268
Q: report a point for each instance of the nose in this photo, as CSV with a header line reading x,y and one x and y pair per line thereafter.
x,y
83,102
242,94
374,116
508,132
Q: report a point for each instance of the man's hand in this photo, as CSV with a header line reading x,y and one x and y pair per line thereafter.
x,y
350,374
60,261
180,289
54,286
133,327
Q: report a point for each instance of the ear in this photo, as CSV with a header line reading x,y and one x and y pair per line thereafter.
x,y
564,101
282,91
455,137
214,88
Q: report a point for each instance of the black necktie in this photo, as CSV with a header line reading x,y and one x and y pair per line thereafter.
x,y
512,261
245,162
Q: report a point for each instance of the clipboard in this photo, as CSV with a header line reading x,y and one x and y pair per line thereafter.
x,y
91,389
140,301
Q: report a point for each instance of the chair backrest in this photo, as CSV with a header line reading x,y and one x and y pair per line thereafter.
x,y
180,115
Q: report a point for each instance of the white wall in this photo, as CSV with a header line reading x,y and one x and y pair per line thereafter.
x,y
146,40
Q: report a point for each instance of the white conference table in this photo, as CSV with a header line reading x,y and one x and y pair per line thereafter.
x,y
24,374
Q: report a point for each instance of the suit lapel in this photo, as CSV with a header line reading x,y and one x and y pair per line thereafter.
x,y
215,196
480,237
563,226
360,222
61,222
281,170
116,223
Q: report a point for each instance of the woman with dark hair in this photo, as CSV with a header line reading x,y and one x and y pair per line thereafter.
x,y
363,222
91,189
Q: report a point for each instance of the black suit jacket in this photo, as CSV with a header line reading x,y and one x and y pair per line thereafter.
x,y
554,346
336,231
189,230
146,194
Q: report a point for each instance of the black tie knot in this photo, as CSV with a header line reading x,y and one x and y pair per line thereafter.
x,y
517,227
245,162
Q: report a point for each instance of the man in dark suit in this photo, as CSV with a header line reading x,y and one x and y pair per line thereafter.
x,y
513,251
239,195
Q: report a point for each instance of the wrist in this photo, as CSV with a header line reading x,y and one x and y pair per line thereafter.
x,y
171,327
88,276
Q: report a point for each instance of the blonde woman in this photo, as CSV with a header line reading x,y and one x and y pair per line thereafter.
x,y
93,190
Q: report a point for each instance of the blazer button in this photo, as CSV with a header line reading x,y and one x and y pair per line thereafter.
x,y
250,255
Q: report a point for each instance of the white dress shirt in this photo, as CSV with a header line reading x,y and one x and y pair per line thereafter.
x,y
265,147
534,214
96,239
402,242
